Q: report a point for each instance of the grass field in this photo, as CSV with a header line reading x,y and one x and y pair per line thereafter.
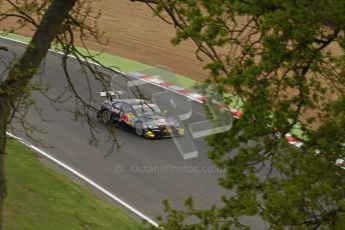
x,y
40,198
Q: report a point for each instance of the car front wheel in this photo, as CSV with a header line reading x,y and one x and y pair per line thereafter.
x,y
139,129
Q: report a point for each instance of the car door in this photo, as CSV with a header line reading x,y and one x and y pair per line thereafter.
x,y
128,116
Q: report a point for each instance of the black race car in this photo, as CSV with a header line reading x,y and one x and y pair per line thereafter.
x,y
139,116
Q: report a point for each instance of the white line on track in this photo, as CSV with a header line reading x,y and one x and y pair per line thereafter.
x,y
78,174
84,178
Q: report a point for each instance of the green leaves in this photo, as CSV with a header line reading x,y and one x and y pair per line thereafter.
x,y
285,60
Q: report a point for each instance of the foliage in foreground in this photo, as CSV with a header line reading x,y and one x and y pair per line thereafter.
x,y
285,60
62,22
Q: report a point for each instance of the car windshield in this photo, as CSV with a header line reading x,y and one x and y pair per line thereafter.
x,y
146,109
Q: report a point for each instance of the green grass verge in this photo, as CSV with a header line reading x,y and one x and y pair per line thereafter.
x,y
122,63
40,198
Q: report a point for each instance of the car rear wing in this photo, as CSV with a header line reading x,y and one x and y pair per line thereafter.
x,y
112,94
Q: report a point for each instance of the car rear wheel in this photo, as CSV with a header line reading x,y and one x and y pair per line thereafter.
x,y
105,116
139,129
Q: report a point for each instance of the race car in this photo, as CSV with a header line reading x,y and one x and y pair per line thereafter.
x,y
139,116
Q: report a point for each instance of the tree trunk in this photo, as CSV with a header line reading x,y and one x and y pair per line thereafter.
x,y
22,72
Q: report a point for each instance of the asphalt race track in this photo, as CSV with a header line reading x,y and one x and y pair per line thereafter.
x,y
126,173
